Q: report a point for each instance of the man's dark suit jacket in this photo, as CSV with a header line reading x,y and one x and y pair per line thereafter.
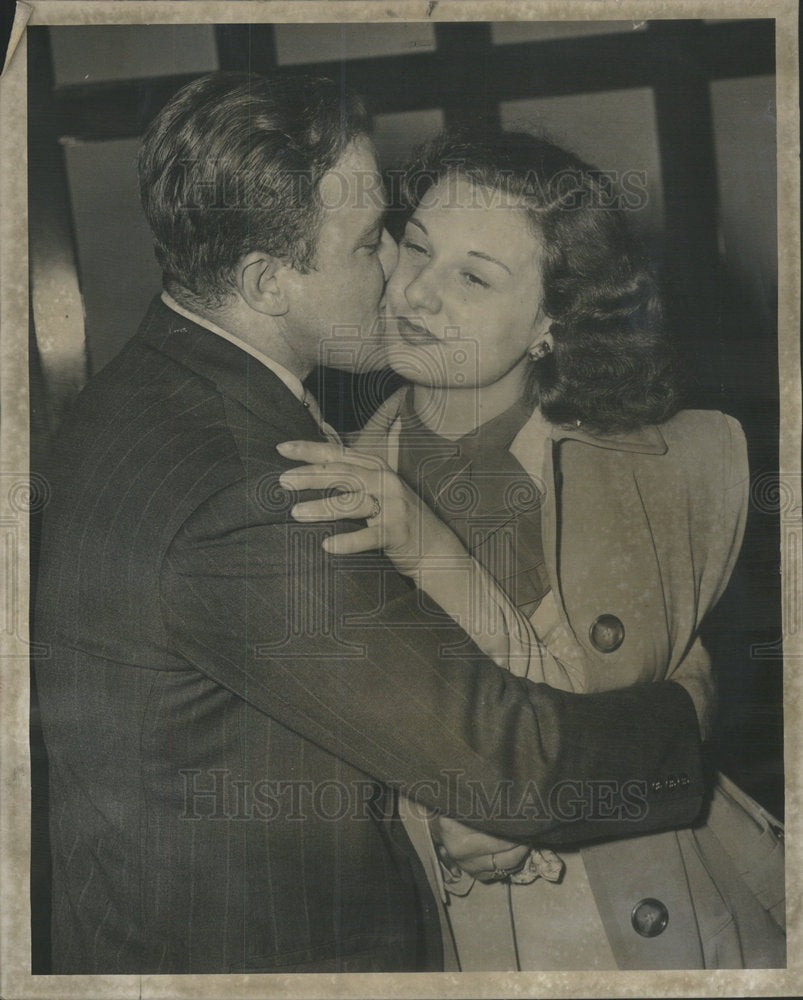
x,y
229,712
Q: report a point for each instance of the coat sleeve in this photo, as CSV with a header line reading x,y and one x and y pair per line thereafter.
x,y
730,516
343,652
725,532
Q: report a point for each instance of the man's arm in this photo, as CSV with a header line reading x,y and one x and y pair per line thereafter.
x,y
342,652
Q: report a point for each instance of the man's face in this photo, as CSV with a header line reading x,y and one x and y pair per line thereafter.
x,y
333,309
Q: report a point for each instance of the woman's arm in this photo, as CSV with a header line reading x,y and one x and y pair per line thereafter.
x,y
420,545
541,648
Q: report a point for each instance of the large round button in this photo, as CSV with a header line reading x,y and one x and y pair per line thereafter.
x,y
649,917
607,633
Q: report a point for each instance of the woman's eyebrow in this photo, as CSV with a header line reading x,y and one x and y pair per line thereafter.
x,y
371,230
487,256
471,253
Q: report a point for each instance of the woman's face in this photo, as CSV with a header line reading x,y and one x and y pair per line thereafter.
x,y
464,302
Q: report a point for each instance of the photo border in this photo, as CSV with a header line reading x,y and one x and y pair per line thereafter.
x,y
15,940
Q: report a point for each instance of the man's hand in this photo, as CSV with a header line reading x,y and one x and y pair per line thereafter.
x,y
478,854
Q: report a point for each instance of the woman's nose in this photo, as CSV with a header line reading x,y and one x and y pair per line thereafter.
x,y
388,254
422,294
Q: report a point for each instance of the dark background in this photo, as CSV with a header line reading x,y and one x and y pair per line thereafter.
x,y
689,102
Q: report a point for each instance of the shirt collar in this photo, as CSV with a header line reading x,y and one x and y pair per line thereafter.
x,y
496,434
293,382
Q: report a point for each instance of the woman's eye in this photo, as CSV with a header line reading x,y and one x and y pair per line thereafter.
x,y
413,247
474,281
372,248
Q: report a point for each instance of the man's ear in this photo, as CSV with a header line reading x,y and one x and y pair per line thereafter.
x,y
258,284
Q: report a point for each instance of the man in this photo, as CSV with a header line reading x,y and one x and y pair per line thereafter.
x,y
229,712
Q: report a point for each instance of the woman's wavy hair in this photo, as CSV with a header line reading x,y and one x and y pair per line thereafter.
x,y
612,367
233,164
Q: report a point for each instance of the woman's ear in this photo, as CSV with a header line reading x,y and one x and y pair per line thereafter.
x,y
259,285
541,348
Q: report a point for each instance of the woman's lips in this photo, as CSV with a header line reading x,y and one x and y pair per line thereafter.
x,y
413,333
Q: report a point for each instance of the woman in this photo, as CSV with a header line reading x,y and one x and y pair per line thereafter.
x,y
542,425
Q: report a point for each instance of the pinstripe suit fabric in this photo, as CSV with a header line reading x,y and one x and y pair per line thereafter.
x,y
227,709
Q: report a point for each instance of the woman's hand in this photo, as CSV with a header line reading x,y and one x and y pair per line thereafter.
x,y
398,522
481,855
419,544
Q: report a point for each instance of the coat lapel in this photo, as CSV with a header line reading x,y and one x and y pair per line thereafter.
x,y
591,562
235,373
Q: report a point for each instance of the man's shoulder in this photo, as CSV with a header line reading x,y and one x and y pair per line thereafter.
x,y
143,429
178,412
139,391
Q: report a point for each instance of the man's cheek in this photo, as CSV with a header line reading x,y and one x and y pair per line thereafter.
x,y
368,286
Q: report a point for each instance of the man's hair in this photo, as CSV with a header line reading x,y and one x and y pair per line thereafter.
x,y
612,367
233,164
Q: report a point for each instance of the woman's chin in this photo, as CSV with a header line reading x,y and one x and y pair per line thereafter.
x,y
416,365
412,370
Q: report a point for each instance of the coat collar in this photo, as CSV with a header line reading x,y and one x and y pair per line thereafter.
x,y
647,440
529,446
235,373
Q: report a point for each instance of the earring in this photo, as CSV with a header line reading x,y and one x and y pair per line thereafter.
x,y
539,351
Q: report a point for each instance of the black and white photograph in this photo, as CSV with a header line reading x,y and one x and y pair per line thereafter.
x,y
406,573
